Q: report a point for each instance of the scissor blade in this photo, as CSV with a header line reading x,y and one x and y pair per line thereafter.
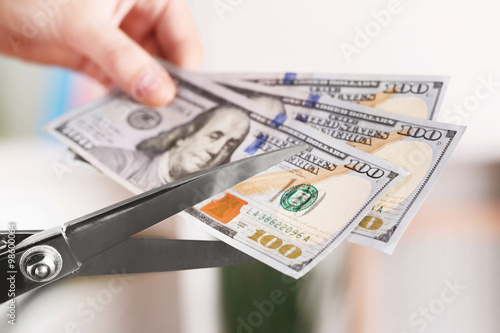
x,y
137,255
93,233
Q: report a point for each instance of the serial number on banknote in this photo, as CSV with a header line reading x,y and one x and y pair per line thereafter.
x,y
274,222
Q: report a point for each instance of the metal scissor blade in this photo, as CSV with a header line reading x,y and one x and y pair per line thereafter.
x,y
138,255
93,233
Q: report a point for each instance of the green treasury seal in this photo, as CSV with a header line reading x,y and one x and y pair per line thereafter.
x,y
299,197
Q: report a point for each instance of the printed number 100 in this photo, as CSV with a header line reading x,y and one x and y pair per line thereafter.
x,y
275,243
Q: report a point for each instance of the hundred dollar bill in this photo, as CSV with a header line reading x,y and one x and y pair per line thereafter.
x,y
419,146
418,96
289,217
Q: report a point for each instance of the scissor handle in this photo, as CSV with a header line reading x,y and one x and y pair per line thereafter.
x,y
34,262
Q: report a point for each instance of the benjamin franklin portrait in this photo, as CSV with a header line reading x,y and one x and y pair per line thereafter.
x,y
203,143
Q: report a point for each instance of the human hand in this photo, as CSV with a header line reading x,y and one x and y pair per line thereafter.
x,y
112,41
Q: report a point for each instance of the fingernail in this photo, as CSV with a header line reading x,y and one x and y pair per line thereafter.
x,y
154,87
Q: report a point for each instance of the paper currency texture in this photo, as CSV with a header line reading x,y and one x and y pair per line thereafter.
x,y
289,217
412,95
419,146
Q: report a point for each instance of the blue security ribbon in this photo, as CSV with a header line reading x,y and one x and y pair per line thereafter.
x,y
312,99
278,120
289,78
259,141
301,117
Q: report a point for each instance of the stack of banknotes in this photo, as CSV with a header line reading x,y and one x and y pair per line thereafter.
x,y
374,151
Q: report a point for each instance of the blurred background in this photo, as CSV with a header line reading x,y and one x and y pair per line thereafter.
x,y
443,276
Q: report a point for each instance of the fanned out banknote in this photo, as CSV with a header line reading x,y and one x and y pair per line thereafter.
x,y
418,96
289,217
419,146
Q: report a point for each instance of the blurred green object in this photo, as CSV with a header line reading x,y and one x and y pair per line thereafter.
x,y
257,298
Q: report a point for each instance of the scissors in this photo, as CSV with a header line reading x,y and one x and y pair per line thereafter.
x,y
98,243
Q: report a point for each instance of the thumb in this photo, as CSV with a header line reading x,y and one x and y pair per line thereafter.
x,y
126,63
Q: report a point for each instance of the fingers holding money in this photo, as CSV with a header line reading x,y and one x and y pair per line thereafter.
x,y
112,41
177,36
125,53
129,65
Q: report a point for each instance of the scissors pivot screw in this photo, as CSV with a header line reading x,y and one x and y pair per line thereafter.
x,y
41,263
